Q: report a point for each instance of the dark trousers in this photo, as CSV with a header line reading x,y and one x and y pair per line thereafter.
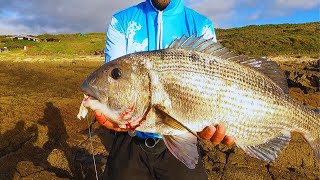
x,y
131,159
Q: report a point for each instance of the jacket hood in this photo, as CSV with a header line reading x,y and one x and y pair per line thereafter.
x,y
174,7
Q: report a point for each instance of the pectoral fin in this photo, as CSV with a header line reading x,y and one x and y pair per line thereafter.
x,y
172,122
184,148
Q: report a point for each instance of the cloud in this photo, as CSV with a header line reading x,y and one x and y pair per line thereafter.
x,y
8,27
250,3
59,16
72,16
254,16
280,8
297,4
218,9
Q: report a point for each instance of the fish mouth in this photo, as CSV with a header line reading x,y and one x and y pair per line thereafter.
x,y
89,90
91,96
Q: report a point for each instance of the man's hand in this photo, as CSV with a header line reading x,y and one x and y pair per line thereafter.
x,y
105,122
216,135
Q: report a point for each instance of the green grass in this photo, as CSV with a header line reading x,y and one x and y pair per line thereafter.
x,y
271,40
264,40
68,45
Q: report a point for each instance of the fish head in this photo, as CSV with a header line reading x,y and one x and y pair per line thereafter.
x,y
120,90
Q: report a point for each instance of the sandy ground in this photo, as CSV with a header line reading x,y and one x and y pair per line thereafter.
x,y
40,137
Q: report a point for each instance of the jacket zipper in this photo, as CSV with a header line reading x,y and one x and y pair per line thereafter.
x,y
160,31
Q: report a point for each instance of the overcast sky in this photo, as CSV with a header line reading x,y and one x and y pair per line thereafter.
x,y
73,16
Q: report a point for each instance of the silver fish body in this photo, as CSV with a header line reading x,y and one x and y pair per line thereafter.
x,y
195,83
205,90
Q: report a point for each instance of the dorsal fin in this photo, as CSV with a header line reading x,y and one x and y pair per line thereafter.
x,y
270,69
208,46
198,44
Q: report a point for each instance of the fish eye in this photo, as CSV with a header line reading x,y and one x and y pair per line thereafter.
x,y
116,73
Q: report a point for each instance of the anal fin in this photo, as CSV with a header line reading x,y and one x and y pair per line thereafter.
x,y
184,148
269,150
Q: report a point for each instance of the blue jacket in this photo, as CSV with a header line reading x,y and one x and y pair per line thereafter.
x,y
144,28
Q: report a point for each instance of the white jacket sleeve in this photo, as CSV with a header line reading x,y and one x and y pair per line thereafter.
x,y
115,41
208,31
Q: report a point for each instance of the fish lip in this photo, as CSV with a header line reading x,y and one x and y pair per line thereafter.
x,y
92,95
89,90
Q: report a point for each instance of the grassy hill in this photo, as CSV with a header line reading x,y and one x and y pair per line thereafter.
x,y
264,40
61,44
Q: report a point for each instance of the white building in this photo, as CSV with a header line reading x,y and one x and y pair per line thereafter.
x,y
24,37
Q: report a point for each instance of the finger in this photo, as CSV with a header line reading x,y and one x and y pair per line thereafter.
x,y
111,125
100,118
207,132
228,140
218,135
104,121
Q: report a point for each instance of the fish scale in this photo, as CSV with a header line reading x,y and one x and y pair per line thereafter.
x,y
255,82
209,70
196,83
231,74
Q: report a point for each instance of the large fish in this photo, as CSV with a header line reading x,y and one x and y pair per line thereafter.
x,y
195,83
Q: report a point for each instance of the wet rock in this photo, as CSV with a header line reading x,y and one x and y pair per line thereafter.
x,y
309,99
43,175
58,159
240,158
214,170
304,75
25,168
291,173
249,173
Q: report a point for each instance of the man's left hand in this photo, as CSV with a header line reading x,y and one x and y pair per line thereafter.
x,y
216,135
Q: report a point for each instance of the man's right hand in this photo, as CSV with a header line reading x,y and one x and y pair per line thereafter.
x,y
105,122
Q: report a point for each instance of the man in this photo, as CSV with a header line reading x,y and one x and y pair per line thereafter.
x,y
152,25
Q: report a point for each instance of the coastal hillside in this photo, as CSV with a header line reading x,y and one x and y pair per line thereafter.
x,y
264,40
